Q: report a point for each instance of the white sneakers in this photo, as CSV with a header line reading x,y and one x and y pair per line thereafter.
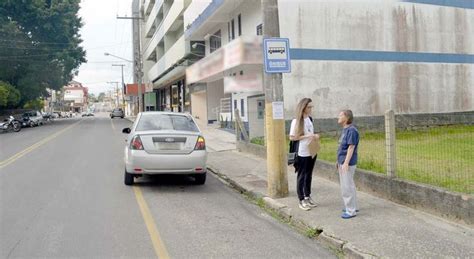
x,y
307,204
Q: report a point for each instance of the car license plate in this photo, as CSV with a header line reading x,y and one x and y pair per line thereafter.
x,y
168,146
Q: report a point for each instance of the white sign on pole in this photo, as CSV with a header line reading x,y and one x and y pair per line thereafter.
x,y
277,55
278,111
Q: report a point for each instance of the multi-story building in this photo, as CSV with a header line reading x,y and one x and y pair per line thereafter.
x,y
410,56
229,77
163,53
75,97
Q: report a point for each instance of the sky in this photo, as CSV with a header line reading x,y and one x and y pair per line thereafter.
x,y
103,32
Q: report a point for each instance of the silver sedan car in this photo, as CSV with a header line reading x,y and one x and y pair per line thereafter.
x,y
164,143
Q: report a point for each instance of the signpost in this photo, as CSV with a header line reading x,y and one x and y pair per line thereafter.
x,y
277,55
276,62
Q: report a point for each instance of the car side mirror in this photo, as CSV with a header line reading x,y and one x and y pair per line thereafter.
x,y
126,130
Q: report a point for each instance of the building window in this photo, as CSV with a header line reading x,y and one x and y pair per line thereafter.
x,y
232,25
242,107
235,105
239,24
215,41
241,72
228,31
260,29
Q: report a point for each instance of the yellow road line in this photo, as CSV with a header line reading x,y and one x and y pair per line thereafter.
x,y
34,146
158,244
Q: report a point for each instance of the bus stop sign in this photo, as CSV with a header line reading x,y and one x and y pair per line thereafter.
x,y
276,55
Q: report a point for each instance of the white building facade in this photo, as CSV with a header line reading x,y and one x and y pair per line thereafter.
x,y
76,97
229,77
163,54
369,56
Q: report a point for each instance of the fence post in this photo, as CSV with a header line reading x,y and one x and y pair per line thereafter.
x,y
390,140
236,125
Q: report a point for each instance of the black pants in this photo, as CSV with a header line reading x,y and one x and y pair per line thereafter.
x,y
305,176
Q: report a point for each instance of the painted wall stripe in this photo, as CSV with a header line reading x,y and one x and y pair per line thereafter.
x,y
467,4
379,56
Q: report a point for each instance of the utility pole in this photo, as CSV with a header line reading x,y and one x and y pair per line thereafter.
x,y
116,93
138,60
123,84
274,128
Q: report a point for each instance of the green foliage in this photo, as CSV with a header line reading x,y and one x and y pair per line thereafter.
x,y
92,98
101,97
439,156
258,141
312,232
3,95
34,105
9,96
39,45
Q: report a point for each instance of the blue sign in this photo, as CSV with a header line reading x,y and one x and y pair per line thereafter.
x,y
277,55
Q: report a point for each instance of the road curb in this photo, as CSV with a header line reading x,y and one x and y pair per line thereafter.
x,y
328,240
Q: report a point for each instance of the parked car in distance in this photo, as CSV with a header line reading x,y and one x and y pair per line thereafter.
x,y
164,143
32,119
117,112
87,114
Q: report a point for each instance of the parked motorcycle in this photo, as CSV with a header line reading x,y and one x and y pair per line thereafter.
x,y
10,124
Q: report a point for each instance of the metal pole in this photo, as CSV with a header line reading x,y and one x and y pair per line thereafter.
x,y
123,84
138,60
390,141
116,93
140,72
274,128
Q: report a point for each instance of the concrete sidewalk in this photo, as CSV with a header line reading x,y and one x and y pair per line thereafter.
x,y
382,228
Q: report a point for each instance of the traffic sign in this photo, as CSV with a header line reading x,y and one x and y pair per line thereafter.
x,y
277,55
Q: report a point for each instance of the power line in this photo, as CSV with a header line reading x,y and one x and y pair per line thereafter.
x,y
49,54
98,47
37,42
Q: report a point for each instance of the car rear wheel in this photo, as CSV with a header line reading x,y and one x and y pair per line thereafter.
x,y
128,178
200,178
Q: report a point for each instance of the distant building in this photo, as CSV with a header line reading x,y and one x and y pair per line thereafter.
x,y
75,96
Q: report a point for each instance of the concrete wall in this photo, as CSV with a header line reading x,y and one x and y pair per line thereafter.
x,y
256,125
250,11
194,10
403,121
454,206
371,87
215,91
199,107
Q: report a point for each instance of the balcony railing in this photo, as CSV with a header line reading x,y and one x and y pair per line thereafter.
x,y
174,12
152,17
175,53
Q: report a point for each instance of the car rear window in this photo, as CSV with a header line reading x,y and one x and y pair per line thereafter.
x,y
166,122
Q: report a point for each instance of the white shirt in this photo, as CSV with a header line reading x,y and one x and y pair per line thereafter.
x,y
303,149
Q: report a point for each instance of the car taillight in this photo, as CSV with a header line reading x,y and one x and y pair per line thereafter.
x,y
200,144
136,143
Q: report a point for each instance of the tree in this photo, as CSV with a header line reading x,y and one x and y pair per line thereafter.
x,y
39,45
34,104
101,97
9,96
92,98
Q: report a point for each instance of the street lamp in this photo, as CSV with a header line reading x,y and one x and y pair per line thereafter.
x,y
108,54
139,73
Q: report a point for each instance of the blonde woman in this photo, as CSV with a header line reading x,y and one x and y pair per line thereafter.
x,y
302,130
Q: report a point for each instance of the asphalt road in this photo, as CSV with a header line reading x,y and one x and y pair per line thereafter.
x,y
62,195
